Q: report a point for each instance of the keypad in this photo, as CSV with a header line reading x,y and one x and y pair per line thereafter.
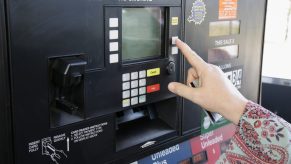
x,y
134,86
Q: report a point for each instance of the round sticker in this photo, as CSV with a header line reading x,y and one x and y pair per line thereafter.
x,y
198,12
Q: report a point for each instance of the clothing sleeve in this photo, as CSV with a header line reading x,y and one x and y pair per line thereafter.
x,y
260,137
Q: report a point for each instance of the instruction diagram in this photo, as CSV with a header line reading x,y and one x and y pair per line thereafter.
x,y
49,150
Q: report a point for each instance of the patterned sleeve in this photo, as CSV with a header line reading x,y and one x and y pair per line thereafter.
x,y
261,137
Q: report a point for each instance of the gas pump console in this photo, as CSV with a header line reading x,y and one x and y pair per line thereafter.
x,y
90,78
86,81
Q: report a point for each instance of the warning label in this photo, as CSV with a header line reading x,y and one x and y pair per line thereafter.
x,y
227,9
53,146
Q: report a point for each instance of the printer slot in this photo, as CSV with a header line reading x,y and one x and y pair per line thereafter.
x,y
144,124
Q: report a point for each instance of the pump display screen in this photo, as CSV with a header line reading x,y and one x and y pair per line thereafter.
x,y
142,31
224,53
224,28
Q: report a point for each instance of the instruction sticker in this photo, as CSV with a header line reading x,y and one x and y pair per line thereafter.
x,y
227,9
198,12
235,75
57,148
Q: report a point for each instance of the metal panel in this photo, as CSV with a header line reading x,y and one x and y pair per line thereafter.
x,y
6,137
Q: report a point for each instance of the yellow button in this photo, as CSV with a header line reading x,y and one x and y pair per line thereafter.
x,y
153,72
175,21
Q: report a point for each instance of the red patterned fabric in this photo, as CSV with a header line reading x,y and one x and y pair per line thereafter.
x,y
261,137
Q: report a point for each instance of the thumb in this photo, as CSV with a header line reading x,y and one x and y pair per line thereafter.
x,y
187,92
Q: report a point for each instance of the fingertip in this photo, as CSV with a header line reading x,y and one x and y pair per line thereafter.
x,y
171,87
178,41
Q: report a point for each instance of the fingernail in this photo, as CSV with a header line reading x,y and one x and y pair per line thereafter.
x,y
171,87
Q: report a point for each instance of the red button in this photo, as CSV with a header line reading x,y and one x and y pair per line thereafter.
x,y
153,88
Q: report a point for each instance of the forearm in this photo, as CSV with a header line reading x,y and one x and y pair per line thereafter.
x,y
261,137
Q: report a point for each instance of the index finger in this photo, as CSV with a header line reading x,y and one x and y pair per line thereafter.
x,y
196,61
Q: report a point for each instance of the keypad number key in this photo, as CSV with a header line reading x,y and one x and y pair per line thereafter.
x,y
142,99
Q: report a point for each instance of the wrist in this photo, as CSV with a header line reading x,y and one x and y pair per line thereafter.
x,y
235,110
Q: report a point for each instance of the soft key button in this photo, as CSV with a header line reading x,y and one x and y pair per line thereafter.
x,y
153,88
175,50
113,46
174,38
153,72
126,103
142,82
113,22
113,34
134,84
134,92
113,58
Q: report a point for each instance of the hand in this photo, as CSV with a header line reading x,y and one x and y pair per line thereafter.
x,y
216,93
